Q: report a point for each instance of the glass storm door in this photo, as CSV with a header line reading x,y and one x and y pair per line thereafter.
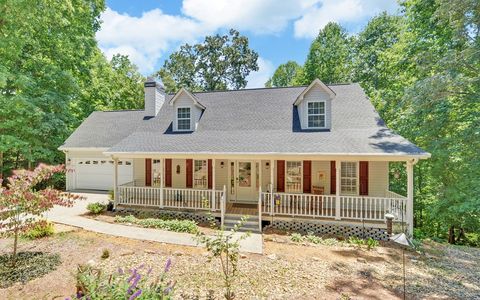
x,y
245,181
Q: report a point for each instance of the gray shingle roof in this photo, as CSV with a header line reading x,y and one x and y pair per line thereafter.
x,y
252,121
104,129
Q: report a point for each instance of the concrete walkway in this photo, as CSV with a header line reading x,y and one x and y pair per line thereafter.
x,y
72,216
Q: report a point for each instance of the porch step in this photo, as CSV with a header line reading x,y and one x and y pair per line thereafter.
x,y
250,225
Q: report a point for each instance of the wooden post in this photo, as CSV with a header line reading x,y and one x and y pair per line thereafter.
x,y
162,180
214,204
115,183
338,165
410,197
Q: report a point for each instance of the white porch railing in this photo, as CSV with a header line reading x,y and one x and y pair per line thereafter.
x,y
351,207
172,197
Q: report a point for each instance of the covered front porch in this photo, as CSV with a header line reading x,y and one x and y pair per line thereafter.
x,y
293,187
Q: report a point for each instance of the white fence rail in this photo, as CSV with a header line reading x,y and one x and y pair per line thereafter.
x,y
351,207
172,197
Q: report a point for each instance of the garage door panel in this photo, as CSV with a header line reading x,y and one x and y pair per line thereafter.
x,y
98,173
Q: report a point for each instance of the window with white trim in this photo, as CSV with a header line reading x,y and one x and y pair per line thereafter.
x,y
316,114
200,173
349,178
293,177
183,118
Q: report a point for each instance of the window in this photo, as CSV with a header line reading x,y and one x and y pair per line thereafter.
x,y
156,172
200,174
183,118
293,178
316,114
348,183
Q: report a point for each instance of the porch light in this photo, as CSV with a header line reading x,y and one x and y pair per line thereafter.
x,y
178,169
222,164
267,164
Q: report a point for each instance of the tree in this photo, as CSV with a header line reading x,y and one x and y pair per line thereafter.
x,y
329,58
45,46
219,63
21,202
287,74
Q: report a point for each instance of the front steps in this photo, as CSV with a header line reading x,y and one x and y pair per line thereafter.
x,y
250,225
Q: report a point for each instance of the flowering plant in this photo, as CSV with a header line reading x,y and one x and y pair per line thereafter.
x,y
22,202
93,284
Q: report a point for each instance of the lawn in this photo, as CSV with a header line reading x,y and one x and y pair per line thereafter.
x,y
287,270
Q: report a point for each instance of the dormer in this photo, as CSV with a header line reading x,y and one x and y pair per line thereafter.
x,y
314,106
187,111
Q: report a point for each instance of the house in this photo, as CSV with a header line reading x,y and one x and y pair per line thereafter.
x,y
308,157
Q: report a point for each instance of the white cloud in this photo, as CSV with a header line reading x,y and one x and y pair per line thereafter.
x,y
265,70
147,37
339,11
267,16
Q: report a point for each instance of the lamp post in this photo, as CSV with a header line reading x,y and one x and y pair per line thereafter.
x,y
402,239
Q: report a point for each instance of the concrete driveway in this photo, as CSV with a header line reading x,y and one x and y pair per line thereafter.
x,y
72,216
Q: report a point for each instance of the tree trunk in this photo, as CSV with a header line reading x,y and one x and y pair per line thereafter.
x,y
461,234
451,235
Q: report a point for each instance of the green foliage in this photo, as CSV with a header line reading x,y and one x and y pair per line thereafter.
x,y
39,230
225,246
28,266
369,243
313,239
219,63
168,224
329,58
137,283
96,208
296,237
288,74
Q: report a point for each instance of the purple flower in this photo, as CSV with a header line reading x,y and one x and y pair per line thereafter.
x,y
137,293
134,283
168,264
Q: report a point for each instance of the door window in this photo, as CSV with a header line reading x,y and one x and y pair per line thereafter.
x,y
244,174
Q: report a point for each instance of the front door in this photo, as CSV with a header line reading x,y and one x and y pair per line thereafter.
x,y
245,181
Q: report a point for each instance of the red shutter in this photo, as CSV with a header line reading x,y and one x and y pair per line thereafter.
x,y
210,174
189,173
148,172
364,178
307,176
281,176
168,172
333,177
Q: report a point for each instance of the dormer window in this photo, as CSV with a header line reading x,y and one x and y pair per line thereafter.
x,y
316,114
183,118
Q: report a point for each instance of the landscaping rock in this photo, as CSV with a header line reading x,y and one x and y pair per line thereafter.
x,y
272,256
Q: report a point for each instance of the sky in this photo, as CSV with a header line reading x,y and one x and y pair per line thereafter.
x,y
148,31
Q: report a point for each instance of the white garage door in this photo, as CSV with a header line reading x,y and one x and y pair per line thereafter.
x,y
97,173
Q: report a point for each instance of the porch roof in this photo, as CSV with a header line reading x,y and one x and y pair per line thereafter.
x,y
264,121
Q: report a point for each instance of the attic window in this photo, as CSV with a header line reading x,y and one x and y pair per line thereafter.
x,y
183,118
316,114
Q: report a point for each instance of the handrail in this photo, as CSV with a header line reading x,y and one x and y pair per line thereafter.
x,y
222,205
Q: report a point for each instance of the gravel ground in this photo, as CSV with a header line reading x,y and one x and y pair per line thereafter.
x,y
285,271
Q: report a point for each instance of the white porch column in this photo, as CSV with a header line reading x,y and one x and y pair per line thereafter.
x,y
272,181
115,182
410,197
214,202
260,167
162,180
338,166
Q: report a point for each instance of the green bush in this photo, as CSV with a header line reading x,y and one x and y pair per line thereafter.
x,y
311,238
170,225
368,243
96,208
40,230
296,237
105,254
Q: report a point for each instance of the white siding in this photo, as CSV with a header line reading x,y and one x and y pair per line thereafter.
x,y
184,100
378,178
221,174
315,93
139,171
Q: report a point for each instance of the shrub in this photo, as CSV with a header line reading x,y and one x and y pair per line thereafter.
x,y
39,230
105,254
360,243
311,238
170,225
94,284
96,208
296,237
